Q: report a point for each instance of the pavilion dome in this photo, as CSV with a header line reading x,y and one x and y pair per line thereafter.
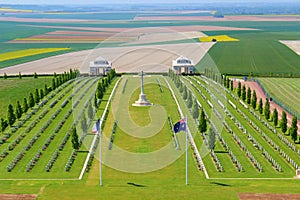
x,y
101,61
183,60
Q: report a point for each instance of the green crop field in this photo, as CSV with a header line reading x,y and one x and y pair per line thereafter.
x,y
285,90
257,53
14,89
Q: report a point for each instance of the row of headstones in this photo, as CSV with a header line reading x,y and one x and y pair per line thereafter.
x,y
112,135
287,158
258,146
52,161
216,161
67,135
275,164
213,85
192,142
14,162
71,160
248,154
159,85
254,161
275,146
93,152
287,142
33,161
124,86
272,161
272,129
230,153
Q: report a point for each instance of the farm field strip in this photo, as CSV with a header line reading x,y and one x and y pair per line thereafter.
x,y
28,52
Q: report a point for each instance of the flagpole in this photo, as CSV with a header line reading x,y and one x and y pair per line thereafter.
x,y
186,154
100,152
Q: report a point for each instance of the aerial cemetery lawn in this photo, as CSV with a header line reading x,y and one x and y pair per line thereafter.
x,y
38,145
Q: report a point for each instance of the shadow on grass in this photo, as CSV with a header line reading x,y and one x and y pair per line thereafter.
x,y
221,151
220,184
135,185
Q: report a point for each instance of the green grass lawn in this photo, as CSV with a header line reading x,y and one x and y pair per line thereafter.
x,y
285,90
15,89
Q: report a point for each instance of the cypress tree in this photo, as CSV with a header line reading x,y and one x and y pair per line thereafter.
x,y
83,123
267,109
189,100
184,94
20,75
202,127
53,84
231,83
90,111
212,139
293,129
37,96
244,93
260,106
95,100
195,110
239,89
19,110
11,115
75,142
46,90
35,75
249,95
41,94
275,117
254,100
227,83
25,105
283,123
31,100
3,124
5,76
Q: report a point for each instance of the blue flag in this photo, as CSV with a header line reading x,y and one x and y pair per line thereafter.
x,y
98,125
180,126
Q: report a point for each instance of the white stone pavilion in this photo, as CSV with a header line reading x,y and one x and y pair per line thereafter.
x,y
99,67
183,65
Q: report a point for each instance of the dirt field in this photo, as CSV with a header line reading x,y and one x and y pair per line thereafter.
x,y
151,58
260,94
294,45
167,28
18,196
253,196
226,18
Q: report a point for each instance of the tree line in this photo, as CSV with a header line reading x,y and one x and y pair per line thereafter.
x,y
34,97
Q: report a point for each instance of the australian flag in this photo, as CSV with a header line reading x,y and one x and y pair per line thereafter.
x,y
96,127
180,126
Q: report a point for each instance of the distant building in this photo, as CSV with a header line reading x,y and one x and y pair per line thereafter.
x,y
183,65
100,67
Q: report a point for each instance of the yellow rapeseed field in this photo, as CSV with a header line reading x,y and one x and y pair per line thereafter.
x,y
28,52
218,38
